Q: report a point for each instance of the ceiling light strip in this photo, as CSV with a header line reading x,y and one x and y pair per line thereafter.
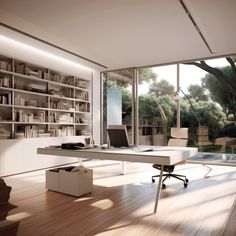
x,y
50,44
196,26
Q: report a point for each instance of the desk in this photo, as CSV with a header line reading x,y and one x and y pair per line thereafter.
x,y
159,155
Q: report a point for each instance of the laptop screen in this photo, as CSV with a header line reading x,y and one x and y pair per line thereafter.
x,y
118,136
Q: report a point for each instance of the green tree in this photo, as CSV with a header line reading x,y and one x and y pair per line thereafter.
x,y
197,92
126,105
161,88
219,94
210,114
228,81
146,75
223,88
149,108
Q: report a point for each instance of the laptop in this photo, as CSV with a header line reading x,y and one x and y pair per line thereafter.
x,y
118,136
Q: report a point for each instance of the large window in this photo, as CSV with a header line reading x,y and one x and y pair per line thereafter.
x,y
199,95
210,113
157,108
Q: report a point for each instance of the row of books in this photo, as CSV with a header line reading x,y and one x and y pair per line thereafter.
x,y
61,105
80,120
64,92
30,131
26,70
83,107
4,65
82,96
69,80
24,116
21,101
5,98
5,82
61,118
61,131
22,68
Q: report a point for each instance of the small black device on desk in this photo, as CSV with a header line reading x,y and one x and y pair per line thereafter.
x,y
72,146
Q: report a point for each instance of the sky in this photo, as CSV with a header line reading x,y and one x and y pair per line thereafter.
x,y
189,74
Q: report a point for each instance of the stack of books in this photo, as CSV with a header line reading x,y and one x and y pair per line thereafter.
x,y
36,88
81,83
26,70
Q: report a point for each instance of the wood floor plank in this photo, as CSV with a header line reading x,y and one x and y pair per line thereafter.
x,y
123,204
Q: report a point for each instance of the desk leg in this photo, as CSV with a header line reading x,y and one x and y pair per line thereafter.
x,y
123,167
158,189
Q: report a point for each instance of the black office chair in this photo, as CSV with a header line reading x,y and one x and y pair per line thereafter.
x,y
179,139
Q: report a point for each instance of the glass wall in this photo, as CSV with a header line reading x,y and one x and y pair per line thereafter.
x,y
117,100
208,107
157,108
202,91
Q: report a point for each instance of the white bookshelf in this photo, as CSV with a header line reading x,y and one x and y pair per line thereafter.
x,y
42,101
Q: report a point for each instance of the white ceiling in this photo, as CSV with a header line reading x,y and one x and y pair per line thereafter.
x,y
128,33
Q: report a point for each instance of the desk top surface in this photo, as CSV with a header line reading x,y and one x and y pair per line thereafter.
x,y
143,154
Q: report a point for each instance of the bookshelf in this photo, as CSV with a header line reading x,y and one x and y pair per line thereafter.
x,y
39,102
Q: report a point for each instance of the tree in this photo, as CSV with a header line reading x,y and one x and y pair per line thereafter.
x,y
197,92
221,83
210,114
146,75
161,88
228,81
219,94
149,108
126,105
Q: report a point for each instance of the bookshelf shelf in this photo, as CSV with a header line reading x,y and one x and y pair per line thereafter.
x,y
30,123
38,102
30,107
5,105
5,122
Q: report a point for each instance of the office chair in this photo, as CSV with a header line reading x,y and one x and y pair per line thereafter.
x,y
179,138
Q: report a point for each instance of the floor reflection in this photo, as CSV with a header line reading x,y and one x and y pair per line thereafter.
x,y
220,158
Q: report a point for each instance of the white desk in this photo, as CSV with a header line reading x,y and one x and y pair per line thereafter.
x,y
159,155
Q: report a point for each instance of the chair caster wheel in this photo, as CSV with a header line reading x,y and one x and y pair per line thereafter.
x,y
185,185
163,186
153,180
186,180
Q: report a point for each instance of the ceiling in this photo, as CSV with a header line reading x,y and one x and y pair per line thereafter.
x,y
128,33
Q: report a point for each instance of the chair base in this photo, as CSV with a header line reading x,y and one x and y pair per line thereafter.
x,y
169,175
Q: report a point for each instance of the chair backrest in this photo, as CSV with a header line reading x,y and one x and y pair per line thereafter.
x,y
179,137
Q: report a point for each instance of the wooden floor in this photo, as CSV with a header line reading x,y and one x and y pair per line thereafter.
x,y
123,204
